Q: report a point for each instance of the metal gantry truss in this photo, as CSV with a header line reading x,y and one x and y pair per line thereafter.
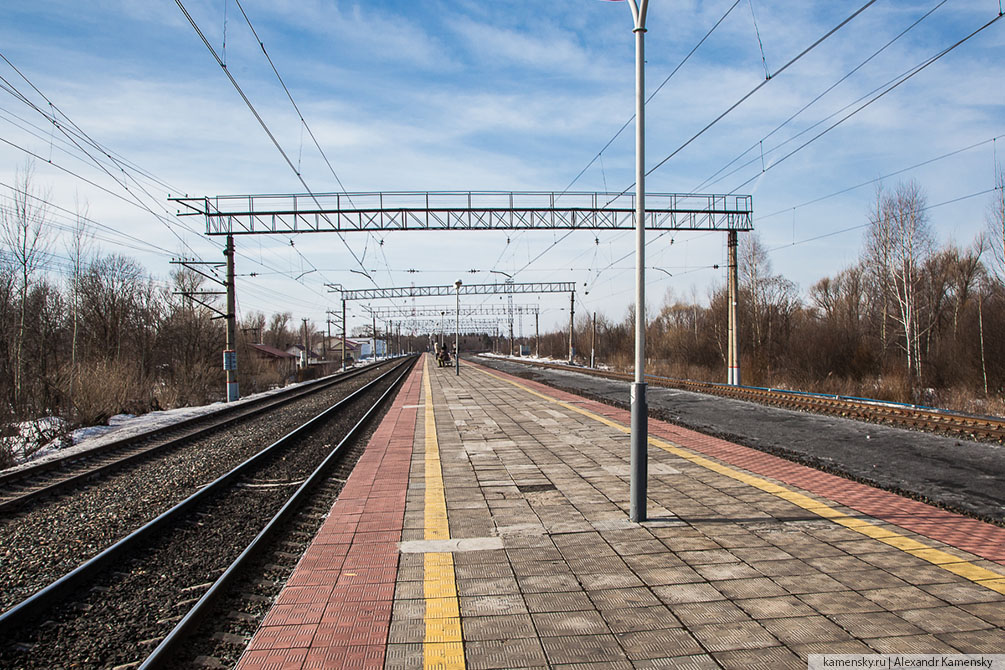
x,y
431,326
458,289
463,210
451,289
434,310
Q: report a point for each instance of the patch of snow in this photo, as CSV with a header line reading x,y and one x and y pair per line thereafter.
x,y
126,425
534,359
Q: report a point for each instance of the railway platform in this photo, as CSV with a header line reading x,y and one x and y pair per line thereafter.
x,y
486,526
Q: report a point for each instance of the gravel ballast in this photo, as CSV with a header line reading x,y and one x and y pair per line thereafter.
x,y
42,543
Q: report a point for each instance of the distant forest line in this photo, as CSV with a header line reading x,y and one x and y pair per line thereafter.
x,y
912,321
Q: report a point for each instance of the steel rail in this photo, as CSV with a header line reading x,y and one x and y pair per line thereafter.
x,y
30,608
218,419
169,645
867,409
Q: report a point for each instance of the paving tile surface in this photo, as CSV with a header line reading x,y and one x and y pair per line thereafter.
x,y
747,561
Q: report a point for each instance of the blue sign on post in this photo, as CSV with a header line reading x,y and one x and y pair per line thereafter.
x,y
229,359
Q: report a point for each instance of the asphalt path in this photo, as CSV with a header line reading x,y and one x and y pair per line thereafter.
x,y
960,475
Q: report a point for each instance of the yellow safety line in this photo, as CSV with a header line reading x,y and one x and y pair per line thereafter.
x,y
442,647
942,559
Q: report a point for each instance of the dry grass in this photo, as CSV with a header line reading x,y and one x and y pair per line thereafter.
x,y
102,389
893,387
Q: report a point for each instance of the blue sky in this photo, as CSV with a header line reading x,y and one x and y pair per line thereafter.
x,y
500,95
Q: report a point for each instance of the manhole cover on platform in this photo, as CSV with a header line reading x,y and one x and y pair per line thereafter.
x,y
535,488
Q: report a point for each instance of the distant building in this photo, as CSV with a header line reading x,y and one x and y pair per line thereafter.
x,y
353,347
304,357
282,361
366,345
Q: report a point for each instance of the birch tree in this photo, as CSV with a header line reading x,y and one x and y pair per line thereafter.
x,y
898,243
23,225
996,226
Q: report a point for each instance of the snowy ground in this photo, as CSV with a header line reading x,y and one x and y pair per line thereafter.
x,y
536,359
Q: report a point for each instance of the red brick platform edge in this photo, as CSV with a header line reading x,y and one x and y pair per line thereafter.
x,y
983,539
335,610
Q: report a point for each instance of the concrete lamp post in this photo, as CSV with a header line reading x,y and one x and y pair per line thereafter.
x,y
640,410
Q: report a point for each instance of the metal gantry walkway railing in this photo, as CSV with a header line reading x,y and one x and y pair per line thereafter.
x,y
448,289
463,210
405,312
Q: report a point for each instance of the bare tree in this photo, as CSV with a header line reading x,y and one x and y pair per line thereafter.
x,y
23,227
79,250
113,293
898,242
278,334
995,220
770,301
253,323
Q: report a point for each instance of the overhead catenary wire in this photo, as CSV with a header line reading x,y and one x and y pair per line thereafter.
x,y
261,122
652,95
757,33
628,122
732,107
887,88
713,179
757,88
85,180
879,179
133,242
842,231
100,187
70,127
79,144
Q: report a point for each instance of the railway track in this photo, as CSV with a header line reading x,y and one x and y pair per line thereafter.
x,y
132,604
876,411
20,487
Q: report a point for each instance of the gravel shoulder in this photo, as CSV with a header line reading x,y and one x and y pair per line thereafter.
x,y
961,475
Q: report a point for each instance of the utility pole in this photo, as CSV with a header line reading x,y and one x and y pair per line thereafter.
x,y
307,345
537,335
511,323
593,343
230,353
733,346
374,316
572,322
344,328
204,298
329,314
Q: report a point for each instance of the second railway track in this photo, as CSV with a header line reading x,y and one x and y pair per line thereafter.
x,y
20,487
52,535
115,610
876,411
